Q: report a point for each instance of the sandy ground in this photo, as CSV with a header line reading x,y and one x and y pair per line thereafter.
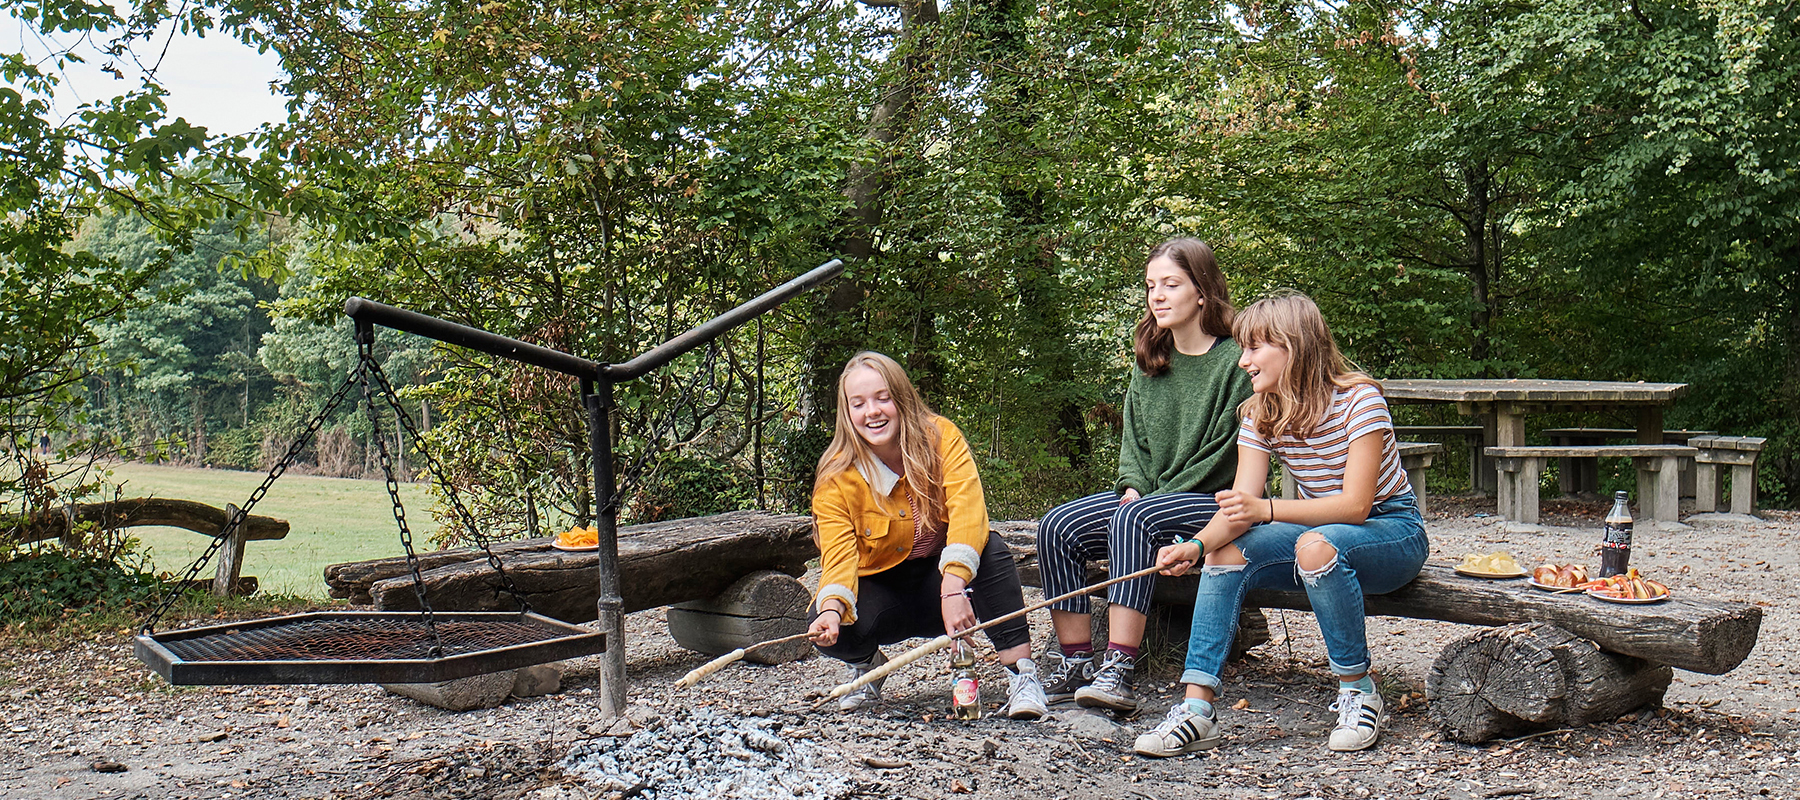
x,y
1715,736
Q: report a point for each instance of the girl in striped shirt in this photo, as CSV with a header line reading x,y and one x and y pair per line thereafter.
x,y
1355,529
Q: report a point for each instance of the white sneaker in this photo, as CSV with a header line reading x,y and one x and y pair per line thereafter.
x,y
1181,731
1025,693
870,693
1359,720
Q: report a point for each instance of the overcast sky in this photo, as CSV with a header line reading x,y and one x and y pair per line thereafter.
x,y
215,82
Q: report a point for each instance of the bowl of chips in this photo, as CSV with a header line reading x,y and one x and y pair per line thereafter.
x,y
578,539
1498,564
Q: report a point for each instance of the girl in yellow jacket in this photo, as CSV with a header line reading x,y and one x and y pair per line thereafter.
x,y
903,537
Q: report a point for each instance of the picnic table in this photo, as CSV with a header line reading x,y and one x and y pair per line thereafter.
x,y
1503,404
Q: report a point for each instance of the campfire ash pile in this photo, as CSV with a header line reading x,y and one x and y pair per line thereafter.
x,y
705,753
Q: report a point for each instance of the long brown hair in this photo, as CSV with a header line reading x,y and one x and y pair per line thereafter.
x,y
916,428
1315,371
1151,343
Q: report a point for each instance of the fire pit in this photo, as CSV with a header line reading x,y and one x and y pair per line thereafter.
x,y
707,754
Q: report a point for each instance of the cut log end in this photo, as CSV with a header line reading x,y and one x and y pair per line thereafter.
x,y
1523,678
757,608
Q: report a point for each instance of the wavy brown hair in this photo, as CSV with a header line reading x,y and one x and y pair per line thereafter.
x,y
1315,371
1151,343
917,432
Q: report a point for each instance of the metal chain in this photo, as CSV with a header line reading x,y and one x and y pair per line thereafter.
x,y
438,473
631,475
365,346
236,520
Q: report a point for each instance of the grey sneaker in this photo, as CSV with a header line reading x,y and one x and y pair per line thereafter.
x,y
1182,731
1112,685
1359,720
1071,673
870,693
1025,694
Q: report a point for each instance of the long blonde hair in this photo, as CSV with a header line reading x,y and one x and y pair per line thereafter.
x,y
1315,371
916,428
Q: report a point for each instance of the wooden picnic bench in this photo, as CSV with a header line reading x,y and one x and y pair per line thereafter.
x,y
1658,476
1715,454
1582,475
1471,436
1541,660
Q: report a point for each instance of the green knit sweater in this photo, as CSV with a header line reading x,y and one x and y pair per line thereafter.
x,y
1181,426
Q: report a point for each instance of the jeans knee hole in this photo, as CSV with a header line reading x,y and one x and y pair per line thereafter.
x,y
1313,576
1221,569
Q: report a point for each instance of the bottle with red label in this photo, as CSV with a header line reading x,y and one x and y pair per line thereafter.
x,y
1615,548
965,688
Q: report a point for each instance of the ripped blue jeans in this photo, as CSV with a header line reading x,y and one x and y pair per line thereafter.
x,y
1378,556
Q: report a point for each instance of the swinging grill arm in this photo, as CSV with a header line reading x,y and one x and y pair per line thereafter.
x,y
597,381
713,328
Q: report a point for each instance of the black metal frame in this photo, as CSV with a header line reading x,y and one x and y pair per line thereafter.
x,y
597,381
570,641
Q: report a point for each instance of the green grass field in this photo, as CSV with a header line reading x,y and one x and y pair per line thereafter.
x,y
331,520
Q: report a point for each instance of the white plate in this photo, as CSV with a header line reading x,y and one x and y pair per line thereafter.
x,y
584,549
1551,587
1473,574
1628,600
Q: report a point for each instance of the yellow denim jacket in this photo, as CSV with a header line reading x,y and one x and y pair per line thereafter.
x,y
859,535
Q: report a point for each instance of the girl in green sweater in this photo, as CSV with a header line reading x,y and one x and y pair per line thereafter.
x,y
1179,447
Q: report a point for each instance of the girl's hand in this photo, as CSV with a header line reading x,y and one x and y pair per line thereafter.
x,y
1243,507
959,613
1177,559
1128,496
824,628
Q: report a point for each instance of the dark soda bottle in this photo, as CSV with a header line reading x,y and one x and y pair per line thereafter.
x,y
1615,549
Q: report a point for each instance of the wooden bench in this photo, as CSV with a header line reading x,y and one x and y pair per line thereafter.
x,y
1443,434
66,522
1716,453
1582,475
1541,661
1658,475
1415,458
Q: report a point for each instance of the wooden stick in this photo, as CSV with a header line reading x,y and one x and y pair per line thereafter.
x,y
944,641
707,669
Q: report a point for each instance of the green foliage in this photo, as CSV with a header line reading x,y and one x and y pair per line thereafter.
x,y
50,582
686,486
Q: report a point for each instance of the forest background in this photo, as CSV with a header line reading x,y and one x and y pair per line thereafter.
x,y
1529,188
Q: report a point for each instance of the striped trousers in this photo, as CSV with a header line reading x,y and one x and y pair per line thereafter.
x,y
1096,527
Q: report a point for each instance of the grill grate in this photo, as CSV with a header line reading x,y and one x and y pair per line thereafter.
x,y
362,647
356,640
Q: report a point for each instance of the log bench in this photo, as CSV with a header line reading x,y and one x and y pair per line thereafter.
x,y
1415,458
1715,454
67,522
1658,474
1582,475
1541,661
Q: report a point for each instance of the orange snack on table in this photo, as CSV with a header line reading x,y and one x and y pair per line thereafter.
x,y
579,537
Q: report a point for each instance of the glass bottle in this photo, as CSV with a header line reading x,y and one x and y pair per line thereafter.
x,y
965,688
1615,548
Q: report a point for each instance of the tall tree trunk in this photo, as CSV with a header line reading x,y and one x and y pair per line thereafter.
x,y
1478,183
835,318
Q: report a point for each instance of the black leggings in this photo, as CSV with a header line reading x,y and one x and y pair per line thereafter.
x,y
903,602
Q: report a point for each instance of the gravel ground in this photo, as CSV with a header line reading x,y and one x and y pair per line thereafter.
x,y
750,731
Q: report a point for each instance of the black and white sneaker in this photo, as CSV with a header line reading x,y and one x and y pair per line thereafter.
x,y
1112,685
1359,720
1182,731
1071,673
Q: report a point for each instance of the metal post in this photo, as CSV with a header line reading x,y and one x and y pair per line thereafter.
x,y
597,397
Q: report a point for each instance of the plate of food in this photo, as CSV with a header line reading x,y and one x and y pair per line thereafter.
x,y
1498,564
1559,577
1630,587
577,540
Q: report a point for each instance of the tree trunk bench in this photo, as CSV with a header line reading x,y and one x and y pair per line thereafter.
x,y
65,523
1542,661
1658,476
1582,475
1715,454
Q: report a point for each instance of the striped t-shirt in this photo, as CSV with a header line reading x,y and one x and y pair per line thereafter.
x,y
1317,462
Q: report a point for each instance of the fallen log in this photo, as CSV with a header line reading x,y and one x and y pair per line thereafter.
x,y
660,564
1533,677
134,513
760,607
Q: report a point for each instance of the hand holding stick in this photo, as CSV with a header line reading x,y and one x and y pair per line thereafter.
x,y
942,642
706,670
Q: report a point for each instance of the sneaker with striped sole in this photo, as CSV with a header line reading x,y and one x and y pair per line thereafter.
x,y
1359,720
1182,731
